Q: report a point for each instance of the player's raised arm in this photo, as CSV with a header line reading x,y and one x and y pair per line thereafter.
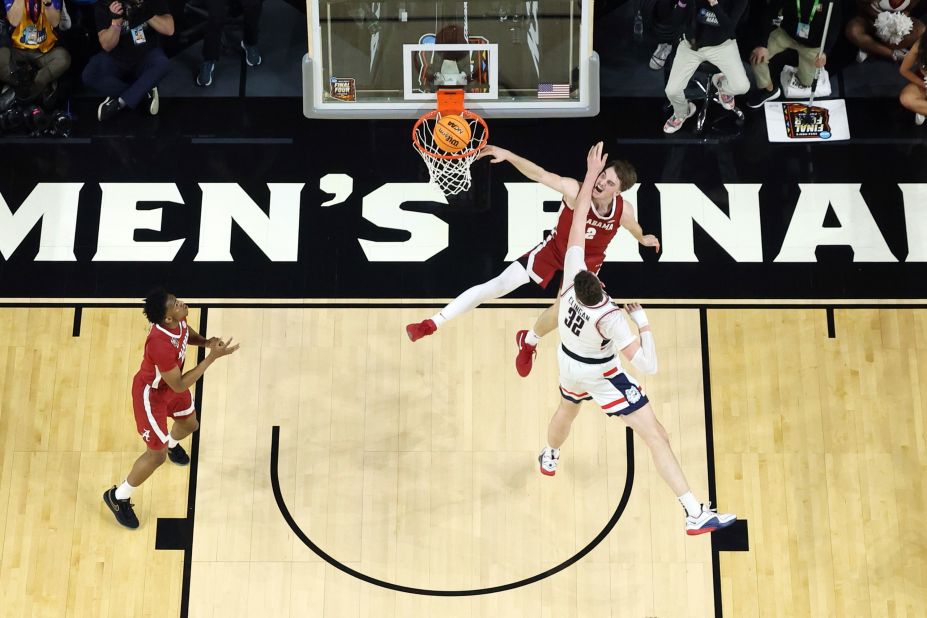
x,y
595,161
567,187
642,355
574,260
181,382
629,223
201,341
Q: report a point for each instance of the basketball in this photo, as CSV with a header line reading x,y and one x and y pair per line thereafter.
x,y
452,133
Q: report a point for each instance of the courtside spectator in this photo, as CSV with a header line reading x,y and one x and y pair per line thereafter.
x,y
708,36
801,29
34,49
132,62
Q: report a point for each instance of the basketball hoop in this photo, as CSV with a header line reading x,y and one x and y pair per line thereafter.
x,y
449,171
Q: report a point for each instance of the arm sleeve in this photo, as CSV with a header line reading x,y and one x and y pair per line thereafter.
x,y
769,15
737,12
724,20
680,12
645,358
573,262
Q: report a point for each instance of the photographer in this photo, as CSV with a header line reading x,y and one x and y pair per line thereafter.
x,y
801,29
132,62
33,40
708,36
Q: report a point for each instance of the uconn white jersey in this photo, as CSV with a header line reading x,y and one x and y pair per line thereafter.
x,y
586,332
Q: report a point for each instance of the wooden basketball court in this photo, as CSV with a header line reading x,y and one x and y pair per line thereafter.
x,y
415,465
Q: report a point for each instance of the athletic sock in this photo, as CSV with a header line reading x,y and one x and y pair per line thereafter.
x,y
438,319
531,338
691,504
554,451
171,442
124,491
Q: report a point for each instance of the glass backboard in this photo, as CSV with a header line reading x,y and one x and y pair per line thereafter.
x,y
387,59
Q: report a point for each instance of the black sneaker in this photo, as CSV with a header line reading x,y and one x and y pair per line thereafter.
x,y
204,77
154,101
756,98
122,509
178,455
108,108
252,55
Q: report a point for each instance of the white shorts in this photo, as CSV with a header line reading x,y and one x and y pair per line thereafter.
x,y
615,391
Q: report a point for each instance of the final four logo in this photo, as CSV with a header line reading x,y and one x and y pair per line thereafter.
x,y
803,121
342,88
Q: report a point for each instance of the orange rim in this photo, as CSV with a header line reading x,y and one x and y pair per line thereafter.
x,y
450,156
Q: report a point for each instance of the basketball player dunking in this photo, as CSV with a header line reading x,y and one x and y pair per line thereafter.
x,y
160,390
542,263
591,329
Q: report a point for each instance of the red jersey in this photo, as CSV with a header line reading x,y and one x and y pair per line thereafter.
x,y
164,350
599,231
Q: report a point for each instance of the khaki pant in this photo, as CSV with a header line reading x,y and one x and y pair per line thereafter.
x,y
779,41
725,56
49,66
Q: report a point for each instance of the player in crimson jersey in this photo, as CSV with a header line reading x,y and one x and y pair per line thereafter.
x,y
160,390
541,264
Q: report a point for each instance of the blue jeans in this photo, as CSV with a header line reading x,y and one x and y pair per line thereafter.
x,y
112,78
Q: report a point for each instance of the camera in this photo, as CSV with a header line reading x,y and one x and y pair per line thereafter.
x,y
129,7
35,121
19,116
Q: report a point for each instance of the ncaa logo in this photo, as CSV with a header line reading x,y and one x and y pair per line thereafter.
x,y
632,395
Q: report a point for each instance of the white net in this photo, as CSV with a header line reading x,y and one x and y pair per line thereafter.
x,y
450,172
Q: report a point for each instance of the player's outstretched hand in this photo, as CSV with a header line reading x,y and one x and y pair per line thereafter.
x,y
637,314
498,154
595,160
224,348
651,241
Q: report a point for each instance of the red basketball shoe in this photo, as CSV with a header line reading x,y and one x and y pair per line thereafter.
x,y
526,353
422,329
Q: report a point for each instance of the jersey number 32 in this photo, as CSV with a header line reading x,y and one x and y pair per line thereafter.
x,y
574,321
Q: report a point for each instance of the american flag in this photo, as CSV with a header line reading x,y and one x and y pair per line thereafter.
x,y
553,91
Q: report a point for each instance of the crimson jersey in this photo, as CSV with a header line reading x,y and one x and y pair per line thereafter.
x,y
599,232
164,350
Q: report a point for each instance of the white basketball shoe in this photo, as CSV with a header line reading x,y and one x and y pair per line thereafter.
x,y
708,520
549,458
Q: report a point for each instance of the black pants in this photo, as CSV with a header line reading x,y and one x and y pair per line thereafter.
x,y
130,81
218,11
